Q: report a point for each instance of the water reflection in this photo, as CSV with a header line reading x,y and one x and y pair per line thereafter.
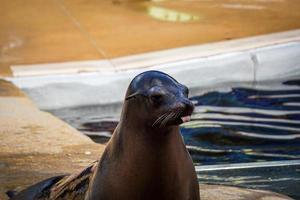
x,y
164,14
157,10
243,6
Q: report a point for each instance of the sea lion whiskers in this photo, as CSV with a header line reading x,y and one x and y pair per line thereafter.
x,y
164,118
160,118
164,122
178,113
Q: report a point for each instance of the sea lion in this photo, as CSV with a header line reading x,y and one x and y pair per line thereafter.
x,y
145,158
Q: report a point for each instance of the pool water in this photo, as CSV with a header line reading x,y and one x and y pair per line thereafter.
x,y
231,125
245,125
281,179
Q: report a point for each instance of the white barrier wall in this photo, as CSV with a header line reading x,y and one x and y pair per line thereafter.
x,y
107,86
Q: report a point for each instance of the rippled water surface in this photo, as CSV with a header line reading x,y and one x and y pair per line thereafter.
x,y
230,125
245,125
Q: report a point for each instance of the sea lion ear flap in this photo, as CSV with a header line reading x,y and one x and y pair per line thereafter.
x,y
134,95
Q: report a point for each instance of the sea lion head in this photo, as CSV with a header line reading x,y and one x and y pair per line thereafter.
x,y
158,99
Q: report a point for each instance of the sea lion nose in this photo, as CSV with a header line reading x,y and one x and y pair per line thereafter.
x,y
188,106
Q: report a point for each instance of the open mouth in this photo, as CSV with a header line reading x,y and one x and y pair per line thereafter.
x,y
180,120
185,118
172,119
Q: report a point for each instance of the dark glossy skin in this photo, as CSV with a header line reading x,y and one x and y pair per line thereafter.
x,y
145,158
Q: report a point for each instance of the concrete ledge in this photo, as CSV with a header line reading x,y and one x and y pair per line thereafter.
x,y
62,68
25,129
218,192
246,62
157,58
206,50
34,144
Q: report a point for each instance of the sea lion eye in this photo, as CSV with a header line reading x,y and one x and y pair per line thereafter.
x,y
156,97
156,94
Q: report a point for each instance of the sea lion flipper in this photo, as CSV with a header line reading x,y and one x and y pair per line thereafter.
x,y
36,191
11,193
73,186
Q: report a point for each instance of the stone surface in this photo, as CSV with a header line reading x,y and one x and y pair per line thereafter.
x,y
35,145
218,192
26,129
70,30
7,89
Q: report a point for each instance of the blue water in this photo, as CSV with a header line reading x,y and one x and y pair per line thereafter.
x,y
245,125
230,125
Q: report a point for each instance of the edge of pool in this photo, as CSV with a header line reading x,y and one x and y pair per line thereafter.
x,y
104,82
151,59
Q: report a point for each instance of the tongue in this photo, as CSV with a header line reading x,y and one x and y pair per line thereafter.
x,y
186,119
